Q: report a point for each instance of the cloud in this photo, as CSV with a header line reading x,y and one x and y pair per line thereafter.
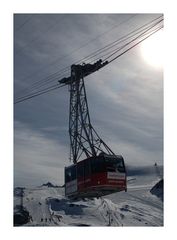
x,y
37,158
125,98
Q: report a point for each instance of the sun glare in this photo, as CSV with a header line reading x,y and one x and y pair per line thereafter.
x,y
152,50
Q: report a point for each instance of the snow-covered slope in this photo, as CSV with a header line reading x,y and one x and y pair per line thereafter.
x,y
158,189
47,206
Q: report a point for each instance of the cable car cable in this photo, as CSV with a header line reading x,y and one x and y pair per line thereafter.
x,y
39,93
120,39
42,80
43,91
108,46
24,23
139,36
36,38
133,46
52,63
51,88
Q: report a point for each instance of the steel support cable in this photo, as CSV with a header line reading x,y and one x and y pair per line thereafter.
x,y
36,91
58,59
98,36
24,23
107,47
85,44
56,86
134,45
122,38
116,49
117,40
36,38
44,81
125,37
51,88
115,53
133,40
53,76
59,86
48,79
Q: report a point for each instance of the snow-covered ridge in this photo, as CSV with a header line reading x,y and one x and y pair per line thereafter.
x,y
144,170
47,206
158,189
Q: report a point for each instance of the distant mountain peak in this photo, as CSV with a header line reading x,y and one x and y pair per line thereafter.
x,y
48,184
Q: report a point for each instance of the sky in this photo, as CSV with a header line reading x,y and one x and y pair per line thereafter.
x,y
125,98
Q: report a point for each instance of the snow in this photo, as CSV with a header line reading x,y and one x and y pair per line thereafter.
x,y
48,206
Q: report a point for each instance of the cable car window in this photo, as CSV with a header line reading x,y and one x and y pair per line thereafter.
x,y
114,165
97,165
70,174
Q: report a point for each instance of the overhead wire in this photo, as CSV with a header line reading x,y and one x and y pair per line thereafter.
x,y
134,45
125,37
115,52
85,44
61,72
134,39
48,29
112,54
54,87
46,80
58,86
110,45
23,24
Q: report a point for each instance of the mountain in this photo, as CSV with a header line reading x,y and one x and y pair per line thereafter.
x,y
144,170
158,189
47,205
49,184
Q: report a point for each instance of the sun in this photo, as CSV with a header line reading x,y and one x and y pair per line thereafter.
x,y
152,50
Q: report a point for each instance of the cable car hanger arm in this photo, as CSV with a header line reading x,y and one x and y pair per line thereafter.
x,y
84,70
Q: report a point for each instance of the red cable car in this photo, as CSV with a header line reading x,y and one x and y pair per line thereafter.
x,y
95,177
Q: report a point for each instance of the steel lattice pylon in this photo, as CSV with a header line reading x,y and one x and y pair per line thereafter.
x,y
83,138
